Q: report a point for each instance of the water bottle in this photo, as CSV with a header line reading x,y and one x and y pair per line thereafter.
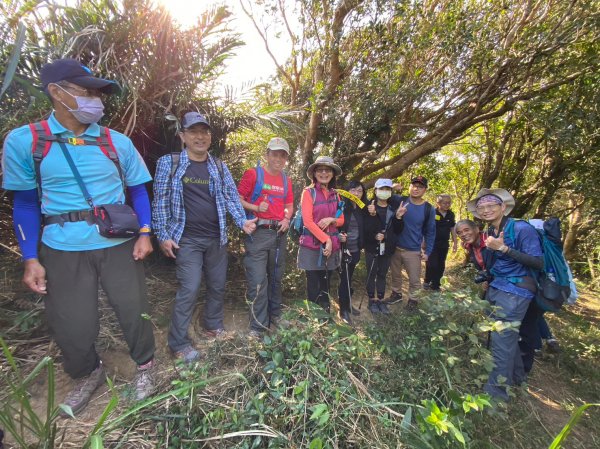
x,y
381,248
550,274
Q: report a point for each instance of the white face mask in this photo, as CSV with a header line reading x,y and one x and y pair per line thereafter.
x,y
89,109
383,194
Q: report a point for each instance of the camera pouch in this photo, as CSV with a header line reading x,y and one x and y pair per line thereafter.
x,y
115,221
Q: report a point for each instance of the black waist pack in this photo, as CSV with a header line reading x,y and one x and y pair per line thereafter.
x,y
116,221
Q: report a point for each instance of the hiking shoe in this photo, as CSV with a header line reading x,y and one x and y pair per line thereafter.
x,y
277,322
383,308
187,355
254,335
552,345
412,304
394,298
355,311
80,395
346,317
426,286
144,380
215,333
374,307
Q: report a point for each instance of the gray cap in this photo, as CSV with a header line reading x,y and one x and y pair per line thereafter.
x,y
383,182
278,143
193,118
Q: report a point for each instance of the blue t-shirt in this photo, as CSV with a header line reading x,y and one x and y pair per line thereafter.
x,y
526,240
60,191
412,236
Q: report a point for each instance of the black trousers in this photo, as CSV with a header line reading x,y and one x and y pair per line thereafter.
x,y
378,267
435,266
72,302
317,287
346,282
529,334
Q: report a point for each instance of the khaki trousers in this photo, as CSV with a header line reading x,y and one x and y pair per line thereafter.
x,y
411,261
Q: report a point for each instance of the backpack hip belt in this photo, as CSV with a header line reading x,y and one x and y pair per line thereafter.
x,y
73,216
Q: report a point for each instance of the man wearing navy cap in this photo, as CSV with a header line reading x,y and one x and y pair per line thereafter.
x,y
192,195
74,258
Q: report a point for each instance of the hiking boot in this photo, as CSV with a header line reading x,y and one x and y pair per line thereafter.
x,y
374,307
426,286
277,322
254,335
80,395
553,346
187,355
346,317
144,380
215,333
355,311
412,305
383,308
394,298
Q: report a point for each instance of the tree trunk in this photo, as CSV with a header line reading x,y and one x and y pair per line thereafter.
x,y
575,221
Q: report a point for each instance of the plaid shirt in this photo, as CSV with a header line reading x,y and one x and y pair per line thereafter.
x,y
168,211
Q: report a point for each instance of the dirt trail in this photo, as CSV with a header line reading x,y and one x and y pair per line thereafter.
x,y
547,399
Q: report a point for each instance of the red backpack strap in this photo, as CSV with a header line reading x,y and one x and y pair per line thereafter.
x,y
41,144
107,146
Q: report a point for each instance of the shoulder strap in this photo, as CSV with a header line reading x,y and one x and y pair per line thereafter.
x,y
84,190
108,148
258,184
174,162
42,141
285,185
427,215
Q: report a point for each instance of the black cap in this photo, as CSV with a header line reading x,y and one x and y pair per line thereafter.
x,y
193,118
420,179
74,72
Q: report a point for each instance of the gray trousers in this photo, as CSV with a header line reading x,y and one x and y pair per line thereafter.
x,y
265,264
72,302
194,255
508,363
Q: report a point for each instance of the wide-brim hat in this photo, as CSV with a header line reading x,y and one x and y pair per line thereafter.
x,y
502,194
326,161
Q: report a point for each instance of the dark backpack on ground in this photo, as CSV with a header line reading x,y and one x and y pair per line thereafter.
x,y
553,284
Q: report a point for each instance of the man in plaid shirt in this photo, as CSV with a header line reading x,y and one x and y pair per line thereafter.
x,y
189,218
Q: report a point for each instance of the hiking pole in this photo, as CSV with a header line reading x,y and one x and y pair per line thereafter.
x,y
274,279
368,278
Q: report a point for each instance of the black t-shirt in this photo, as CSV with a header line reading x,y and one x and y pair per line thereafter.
x,y
443,226
201,216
